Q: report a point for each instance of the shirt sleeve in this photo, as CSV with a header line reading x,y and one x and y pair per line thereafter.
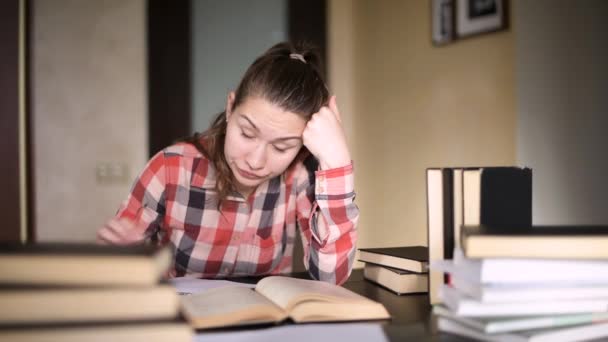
x,y
327,216
145,204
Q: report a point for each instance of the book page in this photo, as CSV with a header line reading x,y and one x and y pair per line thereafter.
x,y
185,285
286,292
229,306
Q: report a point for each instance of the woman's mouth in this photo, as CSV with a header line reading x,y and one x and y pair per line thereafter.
x,y
248,175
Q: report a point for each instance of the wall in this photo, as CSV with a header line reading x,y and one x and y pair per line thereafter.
x,y
562,88
227,36
412,105
88,110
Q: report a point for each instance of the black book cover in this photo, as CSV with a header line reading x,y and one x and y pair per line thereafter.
x,y
77,249
506,196
537,231
448,213
418,253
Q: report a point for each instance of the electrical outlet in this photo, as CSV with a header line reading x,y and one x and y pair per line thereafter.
x,y
107,173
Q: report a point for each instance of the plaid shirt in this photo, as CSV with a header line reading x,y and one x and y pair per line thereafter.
x,y
173,201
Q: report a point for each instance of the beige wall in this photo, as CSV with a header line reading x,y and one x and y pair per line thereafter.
x,y
411,105
562,83
407,105
89,109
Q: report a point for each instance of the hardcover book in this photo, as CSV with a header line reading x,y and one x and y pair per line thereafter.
x,y
55,305
527,241
276,299
464,306
563,334
69,264
412,258
495,325
440,225
396,280
150,331
500,196
523,292
511,271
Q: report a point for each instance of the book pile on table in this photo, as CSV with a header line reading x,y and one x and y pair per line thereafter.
x,y
535,283
458,196
81,292
399,269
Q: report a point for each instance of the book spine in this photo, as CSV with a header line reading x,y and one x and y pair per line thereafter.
x,y
448,213
434,186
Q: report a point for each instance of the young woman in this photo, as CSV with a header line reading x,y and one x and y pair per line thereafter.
x,y
230,200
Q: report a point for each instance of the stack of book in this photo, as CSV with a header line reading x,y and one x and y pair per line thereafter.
x,y
399,269
534,283
74,292
458,196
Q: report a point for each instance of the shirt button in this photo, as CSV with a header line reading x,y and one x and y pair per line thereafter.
x,y
235,238
321,178
226,270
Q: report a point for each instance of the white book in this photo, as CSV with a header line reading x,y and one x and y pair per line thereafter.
x,y
494,325
469,307
571,334
524,271
496,293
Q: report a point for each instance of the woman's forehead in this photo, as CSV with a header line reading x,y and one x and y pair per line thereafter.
x,y
268,117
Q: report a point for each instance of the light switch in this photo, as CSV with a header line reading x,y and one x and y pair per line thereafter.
x,y
107,173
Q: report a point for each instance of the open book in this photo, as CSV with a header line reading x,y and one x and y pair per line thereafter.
x,y
275,299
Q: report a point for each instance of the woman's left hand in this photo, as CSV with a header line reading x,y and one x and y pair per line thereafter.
x,y
325,139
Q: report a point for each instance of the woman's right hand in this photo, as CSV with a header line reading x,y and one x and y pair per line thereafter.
x,y
121,231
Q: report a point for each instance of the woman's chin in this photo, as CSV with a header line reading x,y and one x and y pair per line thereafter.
x,y
248,184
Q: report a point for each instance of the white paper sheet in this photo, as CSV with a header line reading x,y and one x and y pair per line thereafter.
x,y
185,285
332,332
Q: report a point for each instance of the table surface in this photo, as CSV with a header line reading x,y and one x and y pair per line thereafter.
x,y
411,318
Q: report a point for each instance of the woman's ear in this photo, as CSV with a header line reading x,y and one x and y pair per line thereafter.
x,y
229,104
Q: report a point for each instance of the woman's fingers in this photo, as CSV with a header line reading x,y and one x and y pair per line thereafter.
x,y
333,106
121,232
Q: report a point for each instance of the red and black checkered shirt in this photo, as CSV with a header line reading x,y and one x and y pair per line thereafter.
x,y
174,201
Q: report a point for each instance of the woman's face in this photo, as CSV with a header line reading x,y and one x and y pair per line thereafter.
x,y
262,140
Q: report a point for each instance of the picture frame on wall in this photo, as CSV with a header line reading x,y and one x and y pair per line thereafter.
x,y
442,12
456,19
474,17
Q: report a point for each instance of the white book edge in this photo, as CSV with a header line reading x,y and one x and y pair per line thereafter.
x,y
577,333
494,325
497,293
525,271
466,306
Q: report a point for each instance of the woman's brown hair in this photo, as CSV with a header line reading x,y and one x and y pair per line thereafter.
x,y
287,75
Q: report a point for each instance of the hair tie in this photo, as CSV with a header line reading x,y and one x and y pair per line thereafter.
x,y
297,56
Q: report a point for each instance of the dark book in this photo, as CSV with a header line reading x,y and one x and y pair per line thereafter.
x,y
396,280
527,241
76,264
497,196
412,258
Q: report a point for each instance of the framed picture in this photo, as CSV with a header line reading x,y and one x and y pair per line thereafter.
x,y
455,19
442,21
475,17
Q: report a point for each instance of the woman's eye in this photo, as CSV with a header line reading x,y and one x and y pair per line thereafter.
x,y
280,150
247,136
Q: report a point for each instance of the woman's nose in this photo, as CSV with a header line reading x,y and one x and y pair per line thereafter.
x,y
256,159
